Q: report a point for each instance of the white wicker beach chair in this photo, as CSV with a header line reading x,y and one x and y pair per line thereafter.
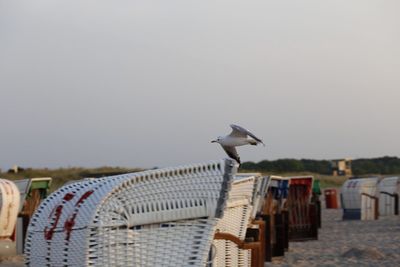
x,y
154,218
261,186
359,199
9,207
245,199
389,191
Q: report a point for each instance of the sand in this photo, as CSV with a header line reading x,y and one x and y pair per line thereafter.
x,y
340,243
347,243
12,261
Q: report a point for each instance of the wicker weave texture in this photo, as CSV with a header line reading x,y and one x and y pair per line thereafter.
x,y
388,187
154,218
236,219
9,207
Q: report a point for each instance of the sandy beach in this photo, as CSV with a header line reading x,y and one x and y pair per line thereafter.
x,y
340,243
12,261
347,243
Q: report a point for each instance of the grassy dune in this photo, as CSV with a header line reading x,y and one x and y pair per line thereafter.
x,y
62,175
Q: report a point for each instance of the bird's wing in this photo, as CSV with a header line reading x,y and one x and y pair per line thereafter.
x,y
238,131
231,151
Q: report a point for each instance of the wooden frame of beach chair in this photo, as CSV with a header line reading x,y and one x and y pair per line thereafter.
x,y
256,247
303,214
274,215
163,217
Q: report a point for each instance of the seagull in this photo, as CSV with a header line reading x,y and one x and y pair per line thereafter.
x,y
238,137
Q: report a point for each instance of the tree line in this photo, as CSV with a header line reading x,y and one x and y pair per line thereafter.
x,y
382,165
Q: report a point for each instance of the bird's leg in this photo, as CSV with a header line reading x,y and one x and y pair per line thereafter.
x,y
253,142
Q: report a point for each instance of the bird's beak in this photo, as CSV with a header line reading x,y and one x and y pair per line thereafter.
x,y
213,141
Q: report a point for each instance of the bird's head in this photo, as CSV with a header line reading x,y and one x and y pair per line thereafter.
x,y
218,140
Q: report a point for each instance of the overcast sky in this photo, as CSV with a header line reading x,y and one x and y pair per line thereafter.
x,y
151,83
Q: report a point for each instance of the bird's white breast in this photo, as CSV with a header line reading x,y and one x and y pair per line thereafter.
x,y
234,141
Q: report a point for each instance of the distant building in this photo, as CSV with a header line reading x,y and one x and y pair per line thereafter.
x,y
341,167
15,169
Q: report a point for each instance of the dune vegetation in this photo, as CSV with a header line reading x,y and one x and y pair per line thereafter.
x,y
62,175
320,169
